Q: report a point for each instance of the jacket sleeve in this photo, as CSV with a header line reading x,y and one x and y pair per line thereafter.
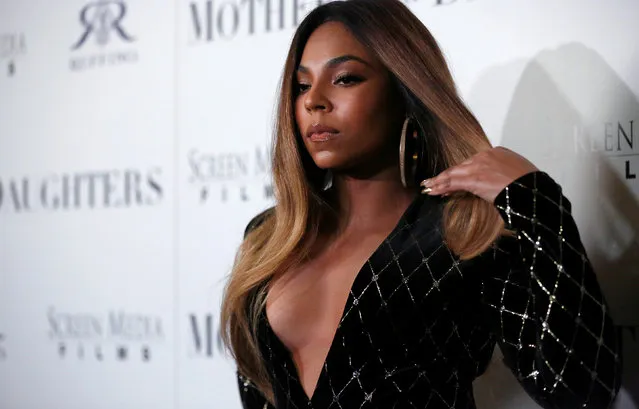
x,y
257,220
544,304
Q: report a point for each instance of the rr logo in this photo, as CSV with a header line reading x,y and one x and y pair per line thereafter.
x,y
102,18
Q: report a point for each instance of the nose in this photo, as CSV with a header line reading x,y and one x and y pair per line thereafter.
x,y
316,100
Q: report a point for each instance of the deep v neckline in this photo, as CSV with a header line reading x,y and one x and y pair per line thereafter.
x,y
345,310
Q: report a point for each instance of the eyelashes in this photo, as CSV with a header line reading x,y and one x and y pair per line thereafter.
x,y
348,79
302,88
344,80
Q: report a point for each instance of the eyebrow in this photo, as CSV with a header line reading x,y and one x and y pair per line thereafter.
x,y
333,62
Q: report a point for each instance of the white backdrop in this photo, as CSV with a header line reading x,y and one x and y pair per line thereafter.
x,y
133,151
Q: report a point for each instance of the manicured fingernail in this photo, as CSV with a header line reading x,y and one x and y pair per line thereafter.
x,y
426,190
427,183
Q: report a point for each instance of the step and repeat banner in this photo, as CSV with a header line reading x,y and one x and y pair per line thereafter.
x,y
134,148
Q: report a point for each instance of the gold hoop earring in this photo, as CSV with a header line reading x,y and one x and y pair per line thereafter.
x,y
403,141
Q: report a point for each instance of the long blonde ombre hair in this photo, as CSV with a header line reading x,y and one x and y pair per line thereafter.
x,y
399,40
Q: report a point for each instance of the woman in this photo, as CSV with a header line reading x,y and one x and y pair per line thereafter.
x,y
382,280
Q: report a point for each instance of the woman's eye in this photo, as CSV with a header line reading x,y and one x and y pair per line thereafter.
x,y
348,79
301,88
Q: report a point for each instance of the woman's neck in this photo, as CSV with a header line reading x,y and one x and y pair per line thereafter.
x,y
378,201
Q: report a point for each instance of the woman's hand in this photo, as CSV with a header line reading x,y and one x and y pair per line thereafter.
x,y
485,175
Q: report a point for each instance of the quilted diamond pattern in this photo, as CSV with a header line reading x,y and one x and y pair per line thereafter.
x,y
420,325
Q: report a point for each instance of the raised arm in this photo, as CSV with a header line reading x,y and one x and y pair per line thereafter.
x,y
544,303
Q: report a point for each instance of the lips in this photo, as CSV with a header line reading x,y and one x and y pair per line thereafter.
x,y
321,133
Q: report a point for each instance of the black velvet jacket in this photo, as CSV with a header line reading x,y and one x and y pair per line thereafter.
x,y
420,325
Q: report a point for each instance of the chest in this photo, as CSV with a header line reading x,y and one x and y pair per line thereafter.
x,y
304,306
381,312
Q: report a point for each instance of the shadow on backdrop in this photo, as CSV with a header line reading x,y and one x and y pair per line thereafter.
x,y
576,119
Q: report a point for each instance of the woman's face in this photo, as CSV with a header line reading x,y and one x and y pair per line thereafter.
x,y
346,109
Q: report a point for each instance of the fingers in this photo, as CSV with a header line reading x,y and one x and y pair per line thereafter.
x,y
484,175
451,180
